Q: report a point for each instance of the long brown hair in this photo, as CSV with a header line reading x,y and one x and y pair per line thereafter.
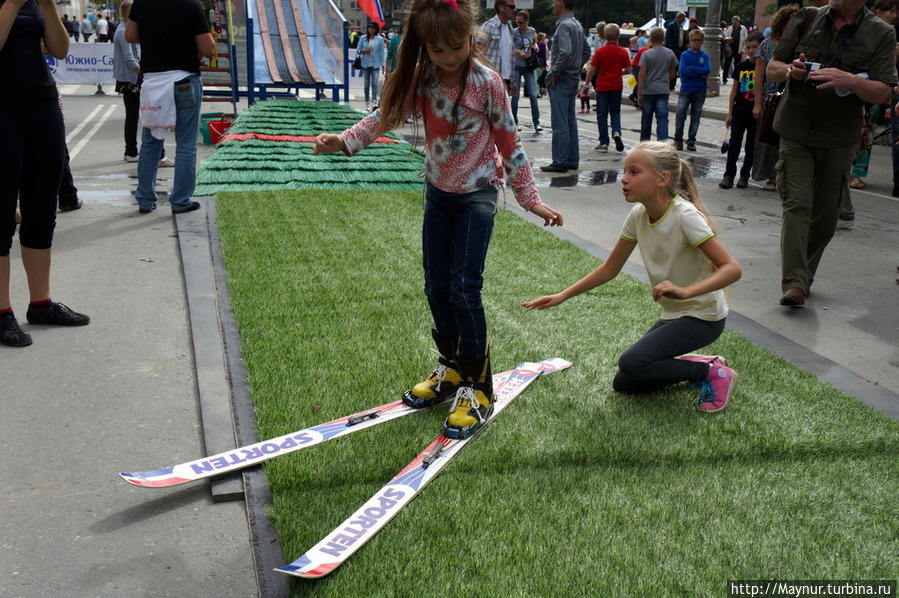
x,y
441,21
781,19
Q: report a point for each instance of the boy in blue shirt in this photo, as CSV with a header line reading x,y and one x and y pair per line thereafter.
x,y
694,67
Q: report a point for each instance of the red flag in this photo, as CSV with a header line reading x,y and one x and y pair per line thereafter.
x,y
372,8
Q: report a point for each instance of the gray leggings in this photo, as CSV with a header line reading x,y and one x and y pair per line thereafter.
x,y
649,364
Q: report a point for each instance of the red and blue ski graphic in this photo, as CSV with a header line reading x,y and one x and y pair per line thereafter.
x,y
259,452
368,520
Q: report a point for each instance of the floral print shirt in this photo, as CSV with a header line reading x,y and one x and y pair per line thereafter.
x,y
486,140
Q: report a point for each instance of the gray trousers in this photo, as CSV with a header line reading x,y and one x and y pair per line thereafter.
x,y
811,181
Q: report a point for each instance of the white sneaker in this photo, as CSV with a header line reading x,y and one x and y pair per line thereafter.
x,y
128,158
166,163
601,147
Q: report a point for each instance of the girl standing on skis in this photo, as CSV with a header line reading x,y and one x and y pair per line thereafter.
x,y
470,137
688,268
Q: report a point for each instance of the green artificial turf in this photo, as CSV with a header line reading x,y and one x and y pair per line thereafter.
x,y
575,490
267,165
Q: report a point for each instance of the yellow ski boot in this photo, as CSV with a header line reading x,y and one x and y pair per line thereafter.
x,y
442,382
474,399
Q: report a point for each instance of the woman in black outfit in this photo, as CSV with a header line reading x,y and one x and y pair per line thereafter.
x,y
31,158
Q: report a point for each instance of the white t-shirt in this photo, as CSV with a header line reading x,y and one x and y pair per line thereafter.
x,y
670,251
505,52
102,27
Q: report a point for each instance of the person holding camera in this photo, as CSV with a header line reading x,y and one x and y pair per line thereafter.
x,y
834,58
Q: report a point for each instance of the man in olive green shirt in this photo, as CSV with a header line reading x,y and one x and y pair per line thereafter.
x,y
835,58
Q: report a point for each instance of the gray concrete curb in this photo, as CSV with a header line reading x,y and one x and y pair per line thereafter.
x,y
267,553
227,411
841,378
208,346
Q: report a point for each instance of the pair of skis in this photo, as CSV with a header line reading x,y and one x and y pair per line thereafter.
x,y
368,520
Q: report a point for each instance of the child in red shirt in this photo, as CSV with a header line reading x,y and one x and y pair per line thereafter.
x,y
613,62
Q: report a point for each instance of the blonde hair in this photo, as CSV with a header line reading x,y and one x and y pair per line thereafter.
x,y
125,10
612,32
664,158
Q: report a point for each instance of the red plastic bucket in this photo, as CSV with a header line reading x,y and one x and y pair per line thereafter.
x,y
217,129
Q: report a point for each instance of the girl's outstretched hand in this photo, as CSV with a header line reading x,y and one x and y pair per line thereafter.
x,y
666,288
550,216
328,143
544,302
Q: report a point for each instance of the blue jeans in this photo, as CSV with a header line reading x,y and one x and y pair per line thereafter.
x,y
455,235
188,100
564,122
530,89
608,103
654,104
371,83
692,100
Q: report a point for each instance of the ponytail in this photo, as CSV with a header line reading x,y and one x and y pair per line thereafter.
x,y
685,186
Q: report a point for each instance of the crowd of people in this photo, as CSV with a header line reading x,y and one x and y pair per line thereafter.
x,y
843,89
803,151
463,82
97,27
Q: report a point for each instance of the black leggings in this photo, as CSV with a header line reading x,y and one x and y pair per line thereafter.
x,y
31,164
649,364
132,109
68,192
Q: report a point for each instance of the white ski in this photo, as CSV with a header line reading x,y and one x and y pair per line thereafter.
x,y
264,450
353,533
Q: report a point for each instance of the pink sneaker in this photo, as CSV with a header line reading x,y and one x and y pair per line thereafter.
x,y
714,391
703,358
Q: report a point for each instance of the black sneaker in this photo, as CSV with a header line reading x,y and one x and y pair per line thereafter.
x,y
194,205
619,145
678,145
554,168
691,147
69,206
56,314
727,182
11,334
144,210
742,182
